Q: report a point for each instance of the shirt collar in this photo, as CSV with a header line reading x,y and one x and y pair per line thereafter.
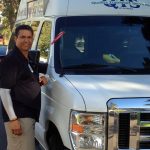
x,y
18,51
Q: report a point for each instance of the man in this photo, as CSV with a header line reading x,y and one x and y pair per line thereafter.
x,y
20,92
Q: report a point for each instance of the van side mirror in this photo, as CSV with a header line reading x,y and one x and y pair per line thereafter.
x,y
42,67
34,57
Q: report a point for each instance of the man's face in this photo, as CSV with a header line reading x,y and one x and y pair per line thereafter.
x,y
24,40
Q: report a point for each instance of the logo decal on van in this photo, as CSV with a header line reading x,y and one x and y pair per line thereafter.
x,y
121,4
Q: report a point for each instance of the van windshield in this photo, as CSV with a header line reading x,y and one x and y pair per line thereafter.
x,y
103,44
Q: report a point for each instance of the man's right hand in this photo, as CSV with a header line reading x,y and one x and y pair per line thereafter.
x,y
15,127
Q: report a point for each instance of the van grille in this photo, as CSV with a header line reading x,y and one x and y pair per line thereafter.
x,y
124,128
129,126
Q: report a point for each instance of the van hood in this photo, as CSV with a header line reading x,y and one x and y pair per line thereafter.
x,y
96,90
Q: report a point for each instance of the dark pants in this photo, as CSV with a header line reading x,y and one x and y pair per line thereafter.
x,y
3,139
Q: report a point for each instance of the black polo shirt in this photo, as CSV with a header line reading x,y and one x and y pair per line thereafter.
x,y
15,74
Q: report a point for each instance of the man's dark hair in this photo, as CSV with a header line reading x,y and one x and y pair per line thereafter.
x,y
23,27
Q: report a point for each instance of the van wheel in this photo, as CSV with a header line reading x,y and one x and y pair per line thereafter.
x,y
55,142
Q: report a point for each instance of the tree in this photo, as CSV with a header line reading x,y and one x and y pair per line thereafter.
x,y
10,12
8,9
1,7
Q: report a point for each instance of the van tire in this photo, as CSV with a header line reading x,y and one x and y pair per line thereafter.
x,y
54,140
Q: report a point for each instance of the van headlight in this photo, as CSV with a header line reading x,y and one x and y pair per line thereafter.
x,y
87,130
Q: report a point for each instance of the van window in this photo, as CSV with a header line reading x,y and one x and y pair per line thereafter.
x,y
35,25
27,23
44,41
104,45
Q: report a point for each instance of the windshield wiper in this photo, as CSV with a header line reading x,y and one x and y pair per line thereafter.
x,y
84,66
100,66
89,67
122,68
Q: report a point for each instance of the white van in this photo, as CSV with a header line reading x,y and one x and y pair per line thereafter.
x,y
97,56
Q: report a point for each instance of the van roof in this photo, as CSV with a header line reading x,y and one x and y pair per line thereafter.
x,y
98,7
34,8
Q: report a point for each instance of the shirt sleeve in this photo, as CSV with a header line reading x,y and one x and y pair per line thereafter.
x,y
8,73
7,103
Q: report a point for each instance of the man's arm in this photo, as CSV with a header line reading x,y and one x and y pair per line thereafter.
x,y
7,103
8,75
8,106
